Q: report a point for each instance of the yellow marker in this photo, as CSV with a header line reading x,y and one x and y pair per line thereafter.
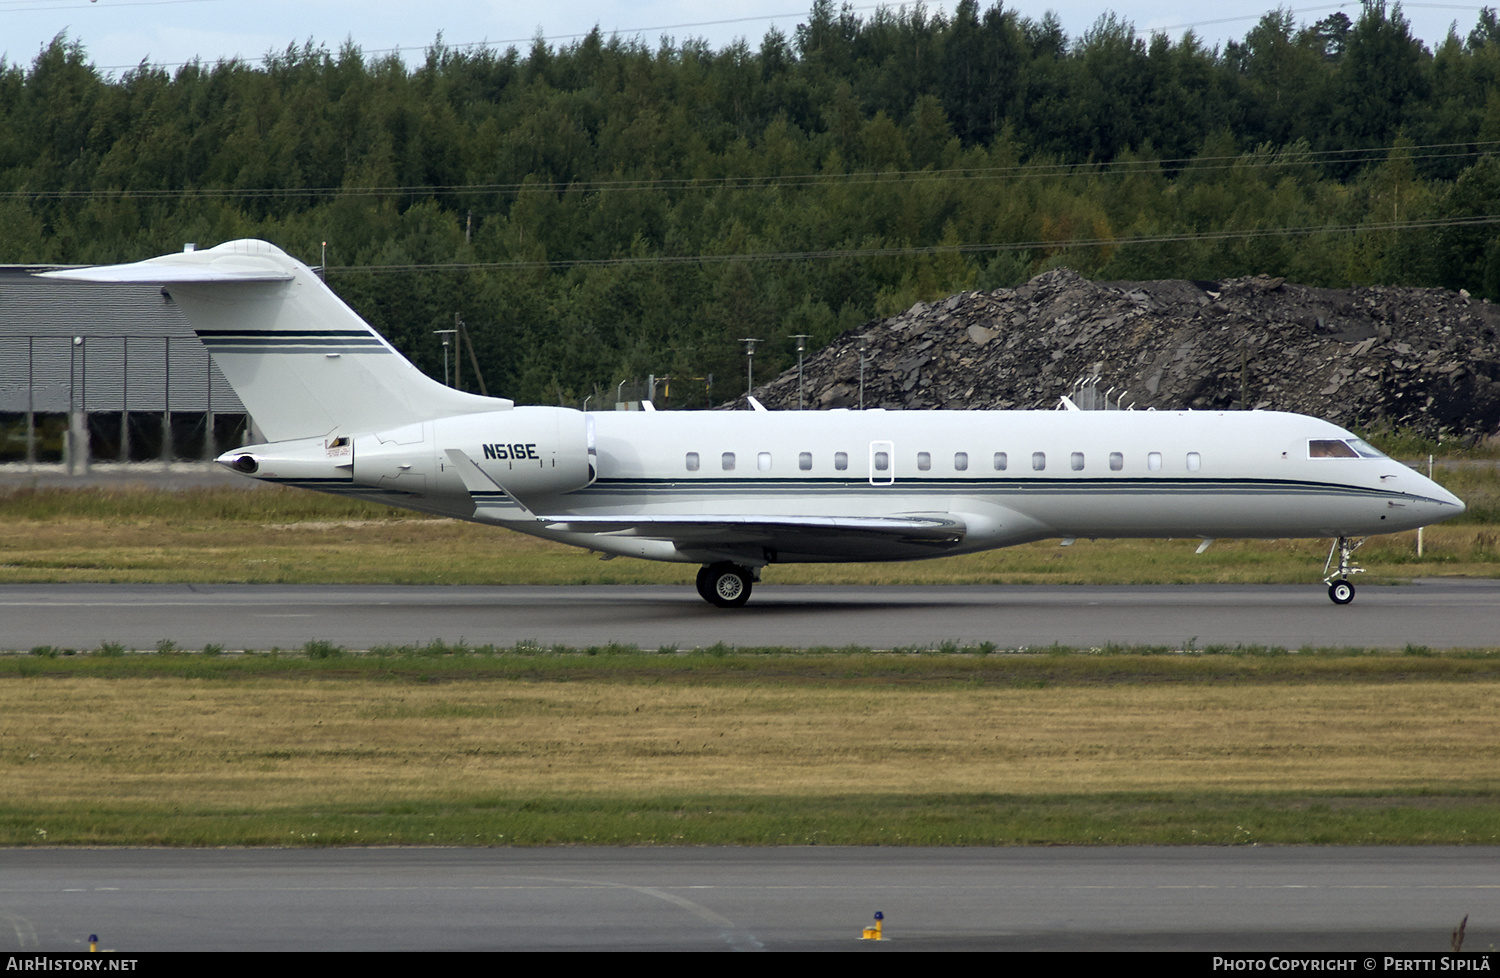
x,y
873,933
93,942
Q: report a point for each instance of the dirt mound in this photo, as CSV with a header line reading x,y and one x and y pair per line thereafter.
x,y
1425,360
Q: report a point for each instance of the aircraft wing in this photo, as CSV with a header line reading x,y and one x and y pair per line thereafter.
x,y
791,537
922,524
847,537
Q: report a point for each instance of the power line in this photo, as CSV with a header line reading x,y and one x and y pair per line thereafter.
x,y
1254,160
834,253
1301,10
498,44
1231,20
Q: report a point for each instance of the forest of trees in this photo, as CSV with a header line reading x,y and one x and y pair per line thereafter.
x,y
608,209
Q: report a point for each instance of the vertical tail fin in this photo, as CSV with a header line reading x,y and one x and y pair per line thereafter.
x,y
303,363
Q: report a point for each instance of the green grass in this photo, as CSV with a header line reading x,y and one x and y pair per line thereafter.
x,y
947,663
270,504
1408,445
1130,818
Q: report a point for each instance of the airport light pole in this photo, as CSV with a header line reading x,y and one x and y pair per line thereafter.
x,y
749,342
863,346
445,334
801,339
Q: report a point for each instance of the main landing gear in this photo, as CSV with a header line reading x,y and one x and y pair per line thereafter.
x,y
1340,591
725,585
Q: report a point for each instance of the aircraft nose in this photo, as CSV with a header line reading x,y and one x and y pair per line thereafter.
x,y
1447,505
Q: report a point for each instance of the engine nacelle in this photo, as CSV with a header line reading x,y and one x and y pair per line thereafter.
x,y
535,451
530,451
306,461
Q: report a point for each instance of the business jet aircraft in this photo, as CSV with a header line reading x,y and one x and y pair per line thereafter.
x,y
347,414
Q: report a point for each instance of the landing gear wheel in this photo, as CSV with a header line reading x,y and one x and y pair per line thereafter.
x,y
1341,592
724,585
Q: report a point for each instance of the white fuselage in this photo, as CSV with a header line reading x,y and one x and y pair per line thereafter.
x,y
1008,476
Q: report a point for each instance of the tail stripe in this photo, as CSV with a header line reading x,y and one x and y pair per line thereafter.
x,y
291,341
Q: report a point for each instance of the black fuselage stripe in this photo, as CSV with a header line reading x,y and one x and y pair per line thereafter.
x,y
284,332
1128,486
262,342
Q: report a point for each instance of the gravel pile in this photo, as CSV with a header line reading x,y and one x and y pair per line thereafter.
x,y
1424,360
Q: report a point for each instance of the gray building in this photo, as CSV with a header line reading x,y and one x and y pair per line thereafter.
x,y
105,373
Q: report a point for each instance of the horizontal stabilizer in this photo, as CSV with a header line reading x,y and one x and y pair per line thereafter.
x,y
180,269
303,363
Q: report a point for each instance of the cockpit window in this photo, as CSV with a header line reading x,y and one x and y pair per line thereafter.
x,y
1366,449
1329,448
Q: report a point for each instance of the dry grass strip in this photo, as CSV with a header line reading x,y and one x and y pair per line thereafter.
x,y
251,746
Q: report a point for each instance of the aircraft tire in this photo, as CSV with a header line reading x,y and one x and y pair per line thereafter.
x,y
703,583
1341,592
728,586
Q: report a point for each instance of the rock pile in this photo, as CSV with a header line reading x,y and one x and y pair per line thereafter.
x,y
1424,360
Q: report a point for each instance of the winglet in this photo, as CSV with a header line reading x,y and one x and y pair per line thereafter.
x,y
491,502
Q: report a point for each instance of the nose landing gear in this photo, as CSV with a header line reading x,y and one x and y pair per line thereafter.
x,y
1340,591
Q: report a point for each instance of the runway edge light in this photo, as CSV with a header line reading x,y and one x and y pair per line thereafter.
x,y
873,933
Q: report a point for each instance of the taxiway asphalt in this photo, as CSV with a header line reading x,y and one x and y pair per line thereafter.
x,y
1283,899
1435,613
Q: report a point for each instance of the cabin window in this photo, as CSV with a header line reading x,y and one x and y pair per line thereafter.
x,y
804,461
1195,461
763,461
1038,461
841,460
924,461
961,461
1329,448
1077,461
1000,462
1153,461
692,461
729,461
1116,461
882,461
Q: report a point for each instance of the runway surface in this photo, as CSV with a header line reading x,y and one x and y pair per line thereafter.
x,y
1437,613
1206,899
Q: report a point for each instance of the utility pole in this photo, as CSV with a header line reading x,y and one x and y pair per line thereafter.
x,y
465,341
